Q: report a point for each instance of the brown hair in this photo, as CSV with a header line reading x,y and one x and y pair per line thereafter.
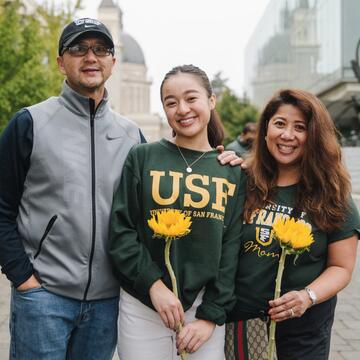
x,y
215,127
324,187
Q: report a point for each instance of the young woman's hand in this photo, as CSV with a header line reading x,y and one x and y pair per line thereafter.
x,y
167,305
194,335
292,304
229,157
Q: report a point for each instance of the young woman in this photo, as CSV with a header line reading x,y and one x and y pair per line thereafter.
x,y
295,170
183,174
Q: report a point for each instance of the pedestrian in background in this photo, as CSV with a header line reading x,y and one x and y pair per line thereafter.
x,y
243,143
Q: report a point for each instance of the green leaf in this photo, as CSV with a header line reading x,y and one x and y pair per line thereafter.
x,y
234,111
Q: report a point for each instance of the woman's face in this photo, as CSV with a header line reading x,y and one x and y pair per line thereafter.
x,y
286,136
187,106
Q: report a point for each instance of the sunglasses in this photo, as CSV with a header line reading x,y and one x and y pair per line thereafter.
x,y
82,50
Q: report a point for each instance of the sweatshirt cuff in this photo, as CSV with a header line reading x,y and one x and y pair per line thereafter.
x,y
211,312
146,278
18,271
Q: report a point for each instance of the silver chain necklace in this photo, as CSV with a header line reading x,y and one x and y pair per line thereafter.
x,y
189,169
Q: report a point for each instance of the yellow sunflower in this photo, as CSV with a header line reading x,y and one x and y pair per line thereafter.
x,y
170,224
293,233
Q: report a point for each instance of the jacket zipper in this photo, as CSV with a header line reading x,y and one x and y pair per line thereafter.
x,y
93,201
46,232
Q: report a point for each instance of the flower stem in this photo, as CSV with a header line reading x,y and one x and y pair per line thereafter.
x,y
169,267
173,281
271,347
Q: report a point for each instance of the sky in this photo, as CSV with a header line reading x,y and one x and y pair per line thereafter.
x,y
211,34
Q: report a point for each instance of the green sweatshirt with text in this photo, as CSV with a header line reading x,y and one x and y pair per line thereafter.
x,y
155,178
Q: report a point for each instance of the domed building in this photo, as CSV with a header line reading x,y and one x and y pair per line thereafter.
x,y
129,86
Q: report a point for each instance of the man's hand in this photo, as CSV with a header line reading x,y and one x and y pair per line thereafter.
x,y
30,283
167,305
194,335
229,157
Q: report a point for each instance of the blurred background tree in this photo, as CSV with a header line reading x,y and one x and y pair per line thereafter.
x,y
234,111
28,69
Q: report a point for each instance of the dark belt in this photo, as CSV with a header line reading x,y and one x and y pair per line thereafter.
x,y
244,315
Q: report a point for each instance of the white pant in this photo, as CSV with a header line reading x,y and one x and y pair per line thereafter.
x,y
143,336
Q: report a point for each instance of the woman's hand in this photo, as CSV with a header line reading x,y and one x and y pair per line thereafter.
x,y
340,265
229,157
291,304
194,335
167,305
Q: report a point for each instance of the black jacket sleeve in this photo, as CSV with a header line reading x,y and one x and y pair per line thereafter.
x,y
16,144
142,137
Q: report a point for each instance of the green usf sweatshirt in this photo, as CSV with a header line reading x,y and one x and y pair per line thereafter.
x,y
155,178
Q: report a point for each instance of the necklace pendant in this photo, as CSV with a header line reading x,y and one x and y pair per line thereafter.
x,y
189,169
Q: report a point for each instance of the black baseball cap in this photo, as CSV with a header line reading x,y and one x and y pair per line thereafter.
x,y
83,26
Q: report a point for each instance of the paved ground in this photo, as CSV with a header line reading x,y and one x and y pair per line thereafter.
x,y
345,344
4,317
352,160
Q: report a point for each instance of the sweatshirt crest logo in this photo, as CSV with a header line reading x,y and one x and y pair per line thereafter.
x,y
264,235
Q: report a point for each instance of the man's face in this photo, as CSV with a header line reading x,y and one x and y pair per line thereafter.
x,y
249,137
86,74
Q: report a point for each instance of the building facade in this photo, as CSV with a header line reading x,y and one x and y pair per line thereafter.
x,y
307,44
129,86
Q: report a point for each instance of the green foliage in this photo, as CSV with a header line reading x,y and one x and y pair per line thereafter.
x,y
28,70
54,19
218,84
234,113
22,75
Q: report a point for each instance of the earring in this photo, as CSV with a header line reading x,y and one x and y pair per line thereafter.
x,y
265,138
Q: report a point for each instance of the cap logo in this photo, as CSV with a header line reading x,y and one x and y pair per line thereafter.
x,y
91,22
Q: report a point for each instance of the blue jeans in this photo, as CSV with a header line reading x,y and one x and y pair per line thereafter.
x,y
45,326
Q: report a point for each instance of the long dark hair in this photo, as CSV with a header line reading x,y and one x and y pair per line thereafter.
x,y
324,187
215,127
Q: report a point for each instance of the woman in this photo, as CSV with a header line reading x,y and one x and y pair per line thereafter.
x,y
179,174
295,170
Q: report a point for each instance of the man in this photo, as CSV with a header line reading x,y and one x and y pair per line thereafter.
x,y
60,161
242,144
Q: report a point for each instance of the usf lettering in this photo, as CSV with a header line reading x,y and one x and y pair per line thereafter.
x,y
194,183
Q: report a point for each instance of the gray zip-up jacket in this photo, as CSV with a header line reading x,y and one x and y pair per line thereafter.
x,y
69,159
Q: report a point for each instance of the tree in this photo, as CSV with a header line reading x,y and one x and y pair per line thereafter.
x,y
218,84
234,113
54,19
28,71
